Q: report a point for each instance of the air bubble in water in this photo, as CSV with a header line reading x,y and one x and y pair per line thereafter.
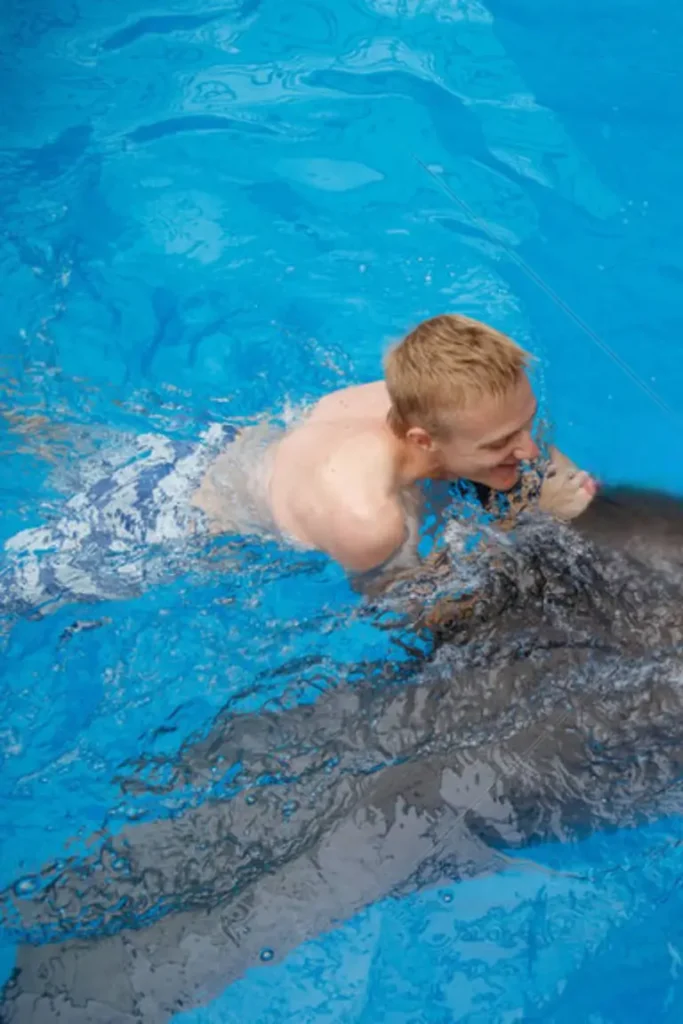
x,y
266,955
26,886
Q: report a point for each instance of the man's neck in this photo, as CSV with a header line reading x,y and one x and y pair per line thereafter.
x,y
413,463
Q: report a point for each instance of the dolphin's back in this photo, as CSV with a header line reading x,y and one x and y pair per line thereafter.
x,y
554,707
647,524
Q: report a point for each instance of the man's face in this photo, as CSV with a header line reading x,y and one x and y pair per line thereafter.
x,y
490,440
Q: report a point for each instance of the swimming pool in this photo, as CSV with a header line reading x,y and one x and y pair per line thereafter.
x,y
212,210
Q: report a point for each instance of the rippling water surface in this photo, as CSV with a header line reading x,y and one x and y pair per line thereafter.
x,y
210,210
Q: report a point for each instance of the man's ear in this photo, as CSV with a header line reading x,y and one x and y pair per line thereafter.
x,y
421,438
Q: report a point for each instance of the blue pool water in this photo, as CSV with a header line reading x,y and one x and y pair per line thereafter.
x,y
209,210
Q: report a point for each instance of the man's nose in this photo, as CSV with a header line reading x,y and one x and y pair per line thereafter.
x,y
527,450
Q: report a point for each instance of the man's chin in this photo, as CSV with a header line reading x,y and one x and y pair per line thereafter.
x,y
503,479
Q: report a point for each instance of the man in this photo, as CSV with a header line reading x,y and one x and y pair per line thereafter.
x,y
456,403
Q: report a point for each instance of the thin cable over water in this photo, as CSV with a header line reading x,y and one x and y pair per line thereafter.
x,y
551,293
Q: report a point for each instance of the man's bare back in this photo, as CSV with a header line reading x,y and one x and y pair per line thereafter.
x,y
336,480
330,480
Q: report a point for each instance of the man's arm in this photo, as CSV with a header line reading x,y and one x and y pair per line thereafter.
x,y
363,544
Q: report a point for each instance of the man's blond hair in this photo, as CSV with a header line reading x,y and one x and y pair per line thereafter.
x,y
444,365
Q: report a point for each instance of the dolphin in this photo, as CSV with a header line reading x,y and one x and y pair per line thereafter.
x,y
548,707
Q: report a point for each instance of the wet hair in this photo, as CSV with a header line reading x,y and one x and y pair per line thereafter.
x,y
442,366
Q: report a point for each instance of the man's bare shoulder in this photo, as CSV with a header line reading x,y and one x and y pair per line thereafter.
x,y
346,454
360,401
340,495
362,540
358,459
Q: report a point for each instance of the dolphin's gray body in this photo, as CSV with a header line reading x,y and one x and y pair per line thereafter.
x,y
554,709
